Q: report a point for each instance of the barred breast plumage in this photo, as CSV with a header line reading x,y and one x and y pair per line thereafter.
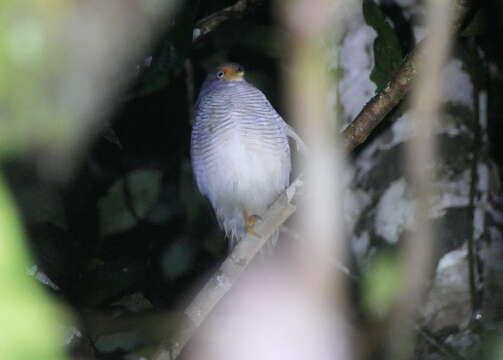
x,y
239,149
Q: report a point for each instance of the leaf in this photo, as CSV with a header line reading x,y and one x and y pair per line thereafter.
x,y
28,316
387,50
380,283
128,201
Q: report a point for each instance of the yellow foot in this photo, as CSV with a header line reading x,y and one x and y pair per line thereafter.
x,y
250,221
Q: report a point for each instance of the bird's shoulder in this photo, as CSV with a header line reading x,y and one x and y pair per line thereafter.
x,y
240,97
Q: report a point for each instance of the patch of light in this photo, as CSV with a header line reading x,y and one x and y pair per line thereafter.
x,y
395,212
357,61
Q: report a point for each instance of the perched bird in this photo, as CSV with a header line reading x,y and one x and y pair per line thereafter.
x,y
239,150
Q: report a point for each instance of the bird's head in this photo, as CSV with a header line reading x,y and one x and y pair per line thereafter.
x,y
229,72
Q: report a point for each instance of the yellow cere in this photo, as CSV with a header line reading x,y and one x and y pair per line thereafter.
x,y
230,73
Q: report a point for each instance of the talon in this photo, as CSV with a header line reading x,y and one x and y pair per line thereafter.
x,y
250,221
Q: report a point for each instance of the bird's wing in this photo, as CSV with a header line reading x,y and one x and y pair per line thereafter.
x,y
258,118
204,142
300,144
270,112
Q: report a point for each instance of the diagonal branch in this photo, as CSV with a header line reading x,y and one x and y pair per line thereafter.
x,y
397,88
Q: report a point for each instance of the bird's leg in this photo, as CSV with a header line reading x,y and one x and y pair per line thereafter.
x,y
250,221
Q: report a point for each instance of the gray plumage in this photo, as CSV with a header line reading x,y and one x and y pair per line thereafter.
x,y
239,149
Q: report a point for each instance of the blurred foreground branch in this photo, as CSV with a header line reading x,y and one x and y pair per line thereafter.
x,y
397,88
230,271
417,259
310,24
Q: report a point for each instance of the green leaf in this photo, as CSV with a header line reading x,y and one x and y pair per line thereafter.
x,y
28,318
128,201
387,51
380,283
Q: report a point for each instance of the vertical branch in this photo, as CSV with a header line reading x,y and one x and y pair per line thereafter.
x,y
307,84
307,87
417,259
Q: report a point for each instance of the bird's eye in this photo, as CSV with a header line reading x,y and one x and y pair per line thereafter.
x,y
220,74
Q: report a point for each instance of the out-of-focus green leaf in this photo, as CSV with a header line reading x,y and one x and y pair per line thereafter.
x,y
128,201
27,317
380,283
387,51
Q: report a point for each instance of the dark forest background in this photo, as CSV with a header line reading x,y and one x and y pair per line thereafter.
x,y
126,238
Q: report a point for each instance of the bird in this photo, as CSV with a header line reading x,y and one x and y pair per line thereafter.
x,y
240,154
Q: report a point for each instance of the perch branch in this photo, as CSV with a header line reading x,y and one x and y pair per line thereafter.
x,y
382,103
230,270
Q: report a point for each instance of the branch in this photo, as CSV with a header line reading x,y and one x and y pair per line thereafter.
x,y
230,271
212,21
381,104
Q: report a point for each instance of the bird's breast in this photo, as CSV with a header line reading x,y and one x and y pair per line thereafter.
x,y
240,152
